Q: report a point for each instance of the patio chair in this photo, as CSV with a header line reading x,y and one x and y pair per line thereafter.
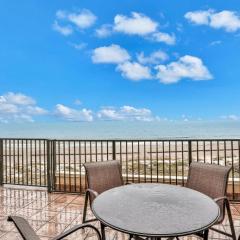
x,y
212,180
28,233
101,176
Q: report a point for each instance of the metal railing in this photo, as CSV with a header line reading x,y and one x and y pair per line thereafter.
x,y
57,164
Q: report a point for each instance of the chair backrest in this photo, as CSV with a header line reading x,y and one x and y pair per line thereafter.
x,y
210,179
102,176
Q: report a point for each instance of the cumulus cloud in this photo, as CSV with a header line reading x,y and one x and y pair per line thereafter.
x,y
227,20
141,25
134,71
163,37
110,54
137,23
125,113
154,58
75,115
186,67
82,19
104,31
64,30
18,107
199,17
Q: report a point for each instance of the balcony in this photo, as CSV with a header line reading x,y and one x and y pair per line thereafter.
x,y
54,168
52,213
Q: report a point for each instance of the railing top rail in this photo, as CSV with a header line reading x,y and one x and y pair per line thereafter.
x,y
183,139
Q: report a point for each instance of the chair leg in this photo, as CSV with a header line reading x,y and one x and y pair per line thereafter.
x,y
85,207
205,234
230,220
103,231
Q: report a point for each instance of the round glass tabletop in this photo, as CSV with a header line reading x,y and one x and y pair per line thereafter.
x,y
157,210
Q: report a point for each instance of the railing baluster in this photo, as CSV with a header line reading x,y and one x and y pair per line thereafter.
x,y
1,162
190,151
34,161
49,180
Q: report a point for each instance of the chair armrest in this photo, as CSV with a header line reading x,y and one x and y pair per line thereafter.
x,y
92,192
220,199
76,228
24,228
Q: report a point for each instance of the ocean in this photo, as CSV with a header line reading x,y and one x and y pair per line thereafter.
x,y
122,130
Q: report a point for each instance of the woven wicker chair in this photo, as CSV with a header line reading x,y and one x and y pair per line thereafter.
x,y
101,176
28,233
212,180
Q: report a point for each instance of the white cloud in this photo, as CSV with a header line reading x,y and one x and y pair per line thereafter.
x,y
142,25
78,46
110,54
125,113
227,20
74,115
64,30
81,19
163,37
154,58
77,102
18,107
214,43
104,31
137,23
134,71
17,98
199,17
186,67
231,117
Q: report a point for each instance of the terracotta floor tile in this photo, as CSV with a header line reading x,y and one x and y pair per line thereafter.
x,y
11,236
65,217
6,226
74,208
78,200
50,214
51,229
2,233
44,215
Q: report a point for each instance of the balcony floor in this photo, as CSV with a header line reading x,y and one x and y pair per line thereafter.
x,y
51,214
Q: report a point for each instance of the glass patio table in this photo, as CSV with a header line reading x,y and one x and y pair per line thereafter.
x,y
155,210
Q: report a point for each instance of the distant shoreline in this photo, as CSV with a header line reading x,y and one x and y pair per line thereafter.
x,y
123,130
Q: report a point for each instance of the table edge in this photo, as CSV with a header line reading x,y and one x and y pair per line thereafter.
x,y
157,235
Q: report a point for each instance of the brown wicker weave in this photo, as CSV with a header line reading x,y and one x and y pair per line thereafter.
x,y
101,176
28,233
212,180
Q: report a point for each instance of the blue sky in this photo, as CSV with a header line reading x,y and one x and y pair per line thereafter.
x,y
116,60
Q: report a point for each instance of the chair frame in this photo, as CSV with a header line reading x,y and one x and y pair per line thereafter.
x,y
87,201
226,205
28,233
230,219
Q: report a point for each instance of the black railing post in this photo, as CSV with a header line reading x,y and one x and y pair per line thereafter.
x,y
49,165
113,150
1,162
190,151
54,165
